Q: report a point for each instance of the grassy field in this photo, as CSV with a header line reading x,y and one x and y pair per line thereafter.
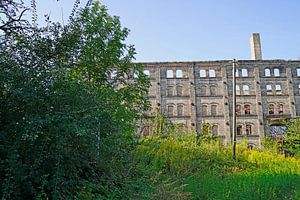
x,y
184,167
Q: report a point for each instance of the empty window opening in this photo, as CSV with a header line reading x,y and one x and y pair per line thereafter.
x,y
202,73
248,129
246,90
179,73
267,72
244,73
276,72
170,73
271,109
212,73
239,130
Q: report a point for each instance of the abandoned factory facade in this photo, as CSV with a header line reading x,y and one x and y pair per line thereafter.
x,y
191,93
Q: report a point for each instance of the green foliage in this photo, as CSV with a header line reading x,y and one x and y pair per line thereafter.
x,y
60,109
292,140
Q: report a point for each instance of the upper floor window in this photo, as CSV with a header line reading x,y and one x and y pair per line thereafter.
x,y
298,89
247,109
280,108
248,129
267,72
213,90
214,129
237,74
147,72
246,90
203,90
298,71
180,110
238,109
271,109
276,72
170,110
239,130
238,90
170,73
269,89
212,73
214,110
179,90
244,73
278,89
169,91
179,73
202,73
204,110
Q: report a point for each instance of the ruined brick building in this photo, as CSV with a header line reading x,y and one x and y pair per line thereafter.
x,y
190,93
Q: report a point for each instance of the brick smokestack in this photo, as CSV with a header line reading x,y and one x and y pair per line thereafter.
x,y
255,47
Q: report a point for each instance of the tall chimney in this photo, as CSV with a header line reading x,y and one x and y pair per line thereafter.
x,y
255,47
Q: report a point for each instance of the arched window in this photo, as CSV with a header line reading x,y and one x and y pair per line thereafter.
x,y
212,73
179,73
244,73
179,90
214,129
204,110
248,129
170,110
246,90
247,109
238,90
280,108
203,90
239,130
147,72
180,110
238,110
202,73
213,110
213,90
267,72
170,73
170,91
271,109
276,72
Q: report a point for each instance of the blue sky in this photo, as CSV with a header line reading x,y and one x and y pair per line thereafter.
x,y
192,30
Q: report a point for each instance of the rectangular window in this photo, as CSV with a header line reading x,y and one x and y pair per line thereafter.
x,y
247,109
239,130
278,89
179,73
276,72
213,110
170,91
170,110
238,110
244,73
170,73
269,89
248,129
298,71
179,90
202,73
238,90
212,73
147,72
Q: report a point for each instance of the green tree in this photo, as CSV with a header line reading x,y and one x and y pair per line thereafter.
x,y
59,105
292,140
